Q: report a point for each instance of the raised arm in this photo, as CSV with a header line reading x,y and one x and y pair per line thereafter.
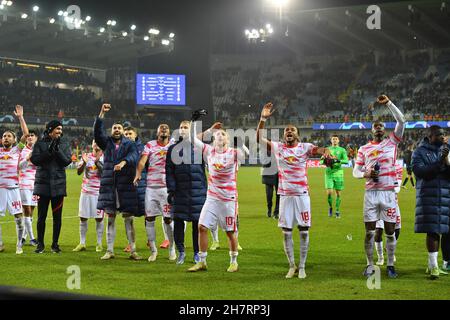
x,y
23,125
99,131
266,112
398,115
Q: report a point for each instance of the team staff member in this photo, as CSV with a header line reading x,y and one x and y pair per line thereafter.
x,y
51,155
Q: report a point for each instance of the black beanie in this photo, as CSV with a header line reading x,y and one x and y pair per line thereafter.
x,y
52,125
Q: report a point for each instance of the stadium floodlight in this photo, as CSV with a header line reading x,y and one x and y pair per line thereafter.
x,y
35,8
146,38
165,42
24,16
65,14
280,3
52,20
60,13
171,35
153,31
102,29
109,22
9,3
2,6
124,33
88,18
4,2
133,27
113,23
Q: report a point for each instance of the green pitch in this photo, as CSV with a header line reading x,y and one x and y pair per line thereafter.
x,y
334,267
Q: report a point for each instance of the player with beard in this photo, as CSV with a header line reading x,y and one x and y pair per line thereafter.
x,y
9,179
376,163
156,204
295,207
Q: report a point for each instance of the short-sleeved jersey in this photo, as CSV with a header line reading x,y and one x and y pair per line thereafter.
x,y
222,169
385,154
91,177
292,165
9,168
156,172
27,170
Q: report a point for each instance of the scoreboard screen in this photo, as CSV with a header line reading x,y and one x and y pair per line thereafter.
x,y
161,89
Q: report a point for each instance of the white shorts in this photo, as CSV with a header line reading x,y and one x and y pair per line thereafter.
x,y
10,200
156,203
221,213
28,198
294,210
380,205
88,207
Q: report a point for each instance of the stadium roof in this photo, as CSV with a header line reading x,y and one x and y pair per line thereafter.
x,y
84,47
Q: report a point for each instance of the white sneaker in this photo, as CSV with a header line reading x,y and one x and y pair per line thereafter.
x,y
108,255
380,261
172,255
19,250
301,273
152,257
291,272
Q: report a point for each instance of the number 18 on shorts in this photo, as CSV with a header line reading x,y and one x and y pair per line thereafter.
x,y
294,211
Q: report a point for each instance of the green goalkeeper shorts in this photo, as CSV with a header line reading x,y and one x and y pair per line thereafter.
x,y
334,182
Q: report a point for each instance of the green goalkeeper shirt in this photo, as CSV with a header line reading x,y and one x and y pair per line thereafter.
x,y
341,155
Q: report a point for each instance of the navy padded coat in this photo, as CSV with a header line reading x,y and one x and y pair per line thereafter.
x,y
432,190
187,181
121,182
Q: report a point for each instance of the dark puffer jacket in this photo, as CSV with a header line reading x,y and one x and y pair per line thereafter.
x,y
432,190
51,168
142,185
188,181
120,182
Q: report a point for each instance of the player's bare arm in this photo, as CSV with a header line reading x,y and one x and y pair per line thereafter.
x,y
140,167
23,125
266,113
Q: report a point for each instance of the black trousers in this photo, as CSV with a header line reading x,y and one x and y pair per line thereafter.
x,y
269,195
445,246
57,206
178,235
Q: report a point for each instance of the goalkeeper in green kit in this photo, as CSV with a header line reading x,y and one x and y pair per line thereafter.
x,y
334,174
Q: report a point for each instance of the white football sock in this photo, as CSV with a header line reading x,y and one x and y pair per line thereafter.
x,y
168,230
391,243
28,221
379,247
1,238
111,233
129,228
215,233
304,245
151,235
83,231
233,256
99,227
202,256
432,260
368,245
19,230
289,247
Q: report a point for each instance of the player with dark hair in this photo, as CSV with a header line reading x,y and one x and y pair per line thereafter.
x,y
376,163
295,207
334,174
